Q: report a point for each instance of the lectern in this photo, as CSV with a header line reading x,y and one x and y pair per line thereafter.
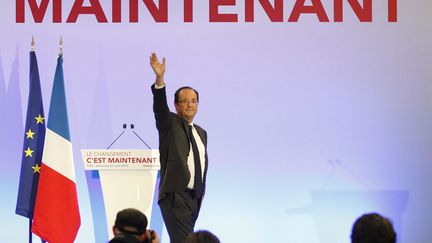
x,y
127,179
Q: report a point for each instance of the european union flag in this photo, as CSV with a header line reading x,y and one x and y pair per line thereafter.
x,y
34,136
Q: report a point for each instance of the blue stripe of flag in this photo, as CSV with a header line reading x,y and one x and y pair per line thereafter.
x,y
58,119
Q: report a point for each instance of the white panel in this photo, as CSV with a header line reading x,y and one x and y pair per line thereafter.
x,y
127,189
58,154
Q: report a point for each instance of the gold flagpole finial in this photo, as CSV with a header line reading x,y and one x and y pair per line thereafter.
x,y
33,44
61,46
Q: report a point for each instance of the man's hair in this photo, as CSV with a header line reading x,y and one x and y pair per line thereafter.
x,y
176,94
202,236
373,228
131,218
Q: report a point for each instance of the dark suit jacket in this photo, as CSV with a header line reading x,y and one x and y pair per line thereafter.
x,y
174,146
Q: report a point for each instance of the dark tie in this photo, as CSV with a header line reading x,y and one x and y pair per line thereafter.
x,y
198,183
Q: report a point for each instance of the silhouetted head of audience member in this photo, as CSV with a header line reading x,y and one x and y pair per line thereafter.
x,y
373,228
202,236
129,227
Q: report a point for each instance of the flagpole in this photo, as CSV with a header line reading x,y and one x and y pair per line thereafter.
x,y
61,46
33,44
30,231
30,219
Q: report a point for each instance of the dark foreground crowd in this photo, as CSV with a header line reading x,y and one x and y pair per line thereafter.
x,y
131,227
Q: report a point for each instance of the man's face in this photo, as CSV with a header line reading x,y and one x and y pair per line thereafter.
x,y
187,105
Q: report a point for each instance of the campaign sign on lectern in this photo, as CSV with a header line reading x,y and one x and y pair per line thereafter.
x,y
127,177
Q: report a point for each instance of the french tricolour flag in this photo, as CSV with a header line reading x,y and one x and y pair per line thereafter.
x,y
56,216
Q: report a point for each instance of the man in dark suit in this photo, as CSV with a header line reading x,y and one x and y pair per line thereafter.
x,y
183,156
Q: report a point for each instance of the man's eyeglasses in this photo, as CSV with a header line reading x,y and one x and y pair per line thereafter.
x,y
193,102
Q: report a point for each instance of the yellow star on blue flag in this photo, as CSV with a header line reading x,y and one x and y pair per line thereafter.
x,y
30,134
36,168
39,119
28,152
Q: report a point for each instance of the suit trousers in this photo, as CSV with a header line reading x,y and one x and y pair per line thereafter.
x,y
180,211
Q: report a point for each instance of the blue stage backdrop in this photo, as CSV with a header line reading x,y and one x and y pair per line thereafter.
x,y
313,118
